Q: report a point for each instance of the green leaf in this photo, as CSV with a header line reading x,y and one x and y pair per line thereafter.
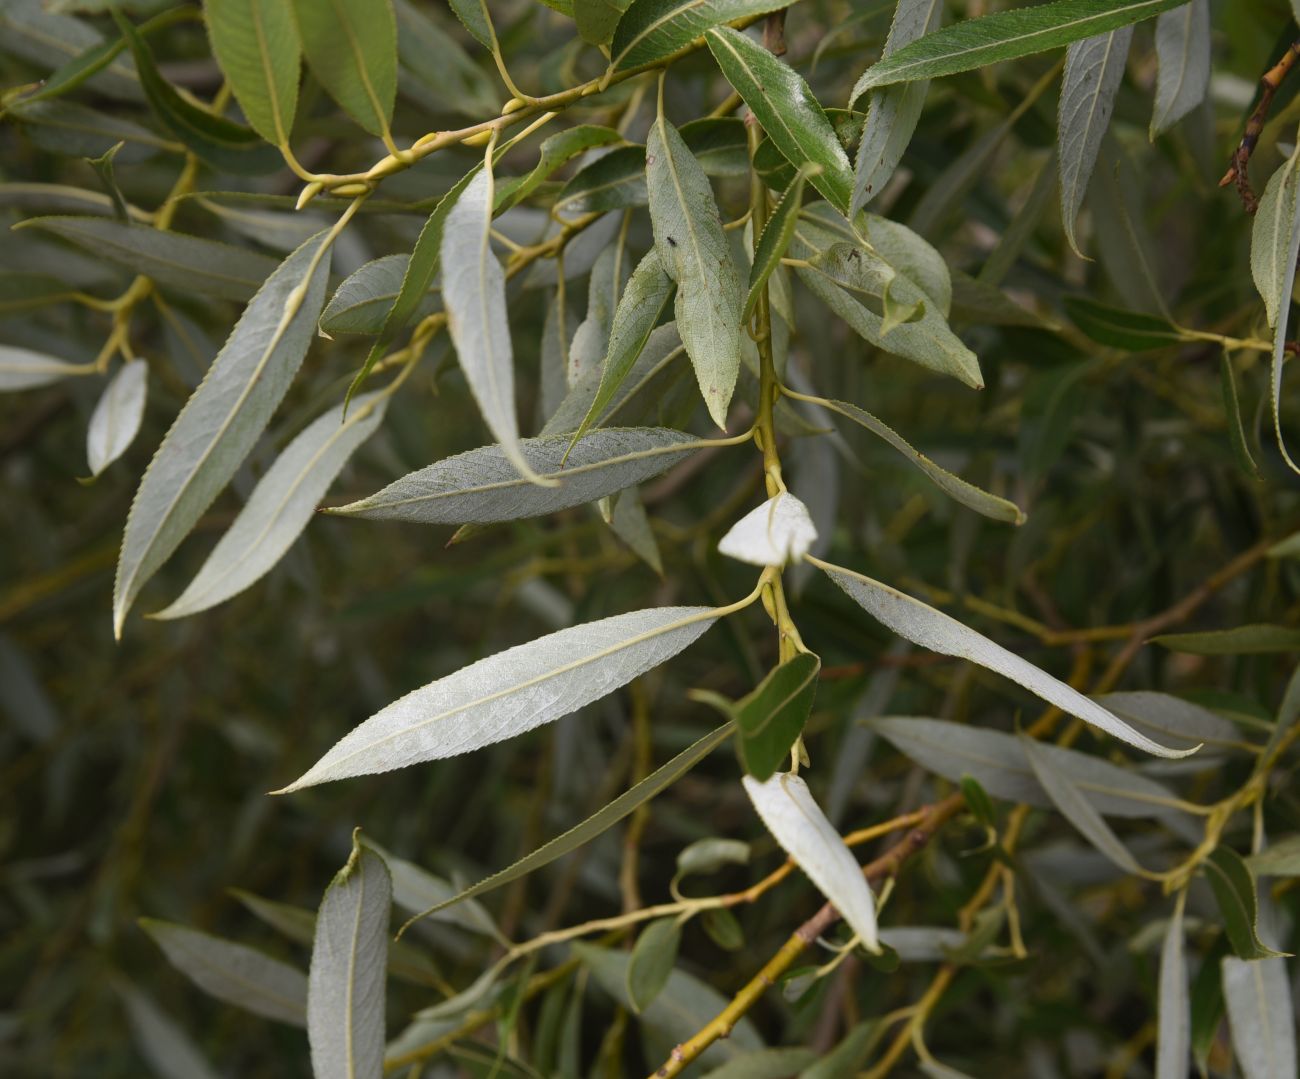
x,y
694,252
482,486
1278,859
893,113
772,716
596,19
173,260
1094,69
1234,889
223,419
1232,413
1183,56
653,29
435,71
116,419
349,960
978,801
774,243
474,295
922,624
788,811
280,507
1274,248
59,43
997,761
256,45
1239,641
554,153
652,961
474,16
510,693
1118,328
1077,809
723,929
363,302
223,144
637,314
1174,1033
792,118
1007,35
234,973
23,369
954,486
351,47
600,821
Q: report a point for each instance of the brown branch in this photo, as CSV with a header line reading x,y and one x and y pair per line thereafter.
x,y
1238,168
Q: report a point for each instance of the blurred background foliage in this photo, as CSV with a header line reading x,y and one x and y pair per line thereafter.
x,y
133,774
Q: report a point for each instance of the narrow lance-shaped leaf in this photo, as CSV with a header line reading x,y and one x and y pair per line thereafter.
x,y
796,822
345,987
967,494
474,294
256,44
652,29
1183,55
793,119
164,1045
922,624
893,113
280,507
351,47
694,252
777,532
1260,1012
553,153
511,692
775,241
1174,1034
482,486
598,822
1006,35
1274,248
637,314
232,972
1071,804
771,717
116,419
1234,889
23,369
1094,69
223,418
652,961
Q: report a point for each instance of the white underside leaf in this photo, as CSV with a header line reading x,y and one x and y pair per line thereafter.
x,y
777,532
116,419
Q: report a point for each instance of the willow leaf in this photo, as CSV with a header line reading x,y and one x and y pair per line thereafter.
x,y
652,29
24,369
256,45
116,419
1183,55
351,47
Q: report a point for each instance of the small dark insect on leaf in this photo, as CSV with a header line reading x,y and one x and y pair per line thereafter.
x,y
672,242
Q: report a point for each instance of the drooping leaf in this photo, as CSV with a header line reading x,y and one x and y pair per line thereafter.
x,y
922,624
1006,35
1238,641
511,692
997,760
777,532
482,485
1094,68
23,369
694,252
797,823
631,524
474,294
1234,889
351,47
604,286
598,822
653,29
967,494
172,259
638,312
1183,55
771,716
280,507
346,984
1077,809
1232,414
773,243
234,973
652,961
893,113
256,44
1174,1035
220,422
164,1045
220,142
794,121
1113,326
116,419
